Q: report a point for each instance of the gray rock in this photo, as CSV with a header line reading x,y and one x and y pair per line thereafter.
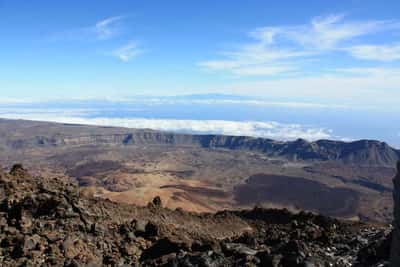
x,y
309,264
239,249
140,226
30,243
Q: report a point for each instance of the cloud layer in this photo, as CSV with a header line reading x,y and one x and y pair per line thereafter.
x,y
274,130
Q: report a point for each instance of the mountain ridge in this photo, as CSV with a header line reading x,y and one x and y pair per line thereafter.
x,y
361,152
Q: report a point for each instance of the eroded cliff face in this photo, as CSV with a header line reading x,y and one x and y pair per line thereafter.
x,y
16,134
363,152
395,254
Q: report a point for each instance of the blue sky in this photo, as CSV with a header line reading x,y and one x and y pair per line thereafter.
x,y
322,51
337,57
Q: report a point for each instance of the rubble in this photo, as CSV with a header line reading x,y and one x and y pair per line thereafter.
x,y
47,222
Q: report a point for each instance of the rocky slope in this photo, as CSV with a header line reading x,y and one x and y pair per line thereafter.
x,y
27,134
49,222
395,254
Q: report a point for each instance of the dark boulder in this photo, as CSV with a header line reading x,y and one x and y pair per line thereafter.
x,y
157,202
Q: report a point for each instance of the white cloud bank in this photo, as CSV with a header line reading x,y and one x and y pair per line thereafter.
x,y
274,130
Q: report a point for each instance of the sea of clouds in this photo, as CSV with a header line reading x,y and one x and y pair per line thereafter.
x,y
265,129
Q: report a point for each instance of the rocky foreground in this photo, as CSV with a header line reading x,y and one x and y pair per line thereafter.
x,y
49,222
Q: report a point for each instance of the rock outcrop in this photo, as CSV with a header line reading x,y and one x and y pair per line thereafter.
x,y
47,222
395,252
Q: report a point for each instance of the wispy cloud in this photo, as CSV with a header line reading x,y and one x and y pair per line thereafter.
x,y
377,87
101,30
329,32
128,51
384,53
283,49
107,28
256,60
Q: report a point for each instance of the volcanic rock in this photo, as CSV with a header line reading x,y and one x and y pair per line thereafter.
x,y
44,221
395,251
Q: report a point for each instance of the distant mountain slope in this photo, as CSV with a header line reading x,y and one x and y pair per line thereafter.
x,y
16,134
208,173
